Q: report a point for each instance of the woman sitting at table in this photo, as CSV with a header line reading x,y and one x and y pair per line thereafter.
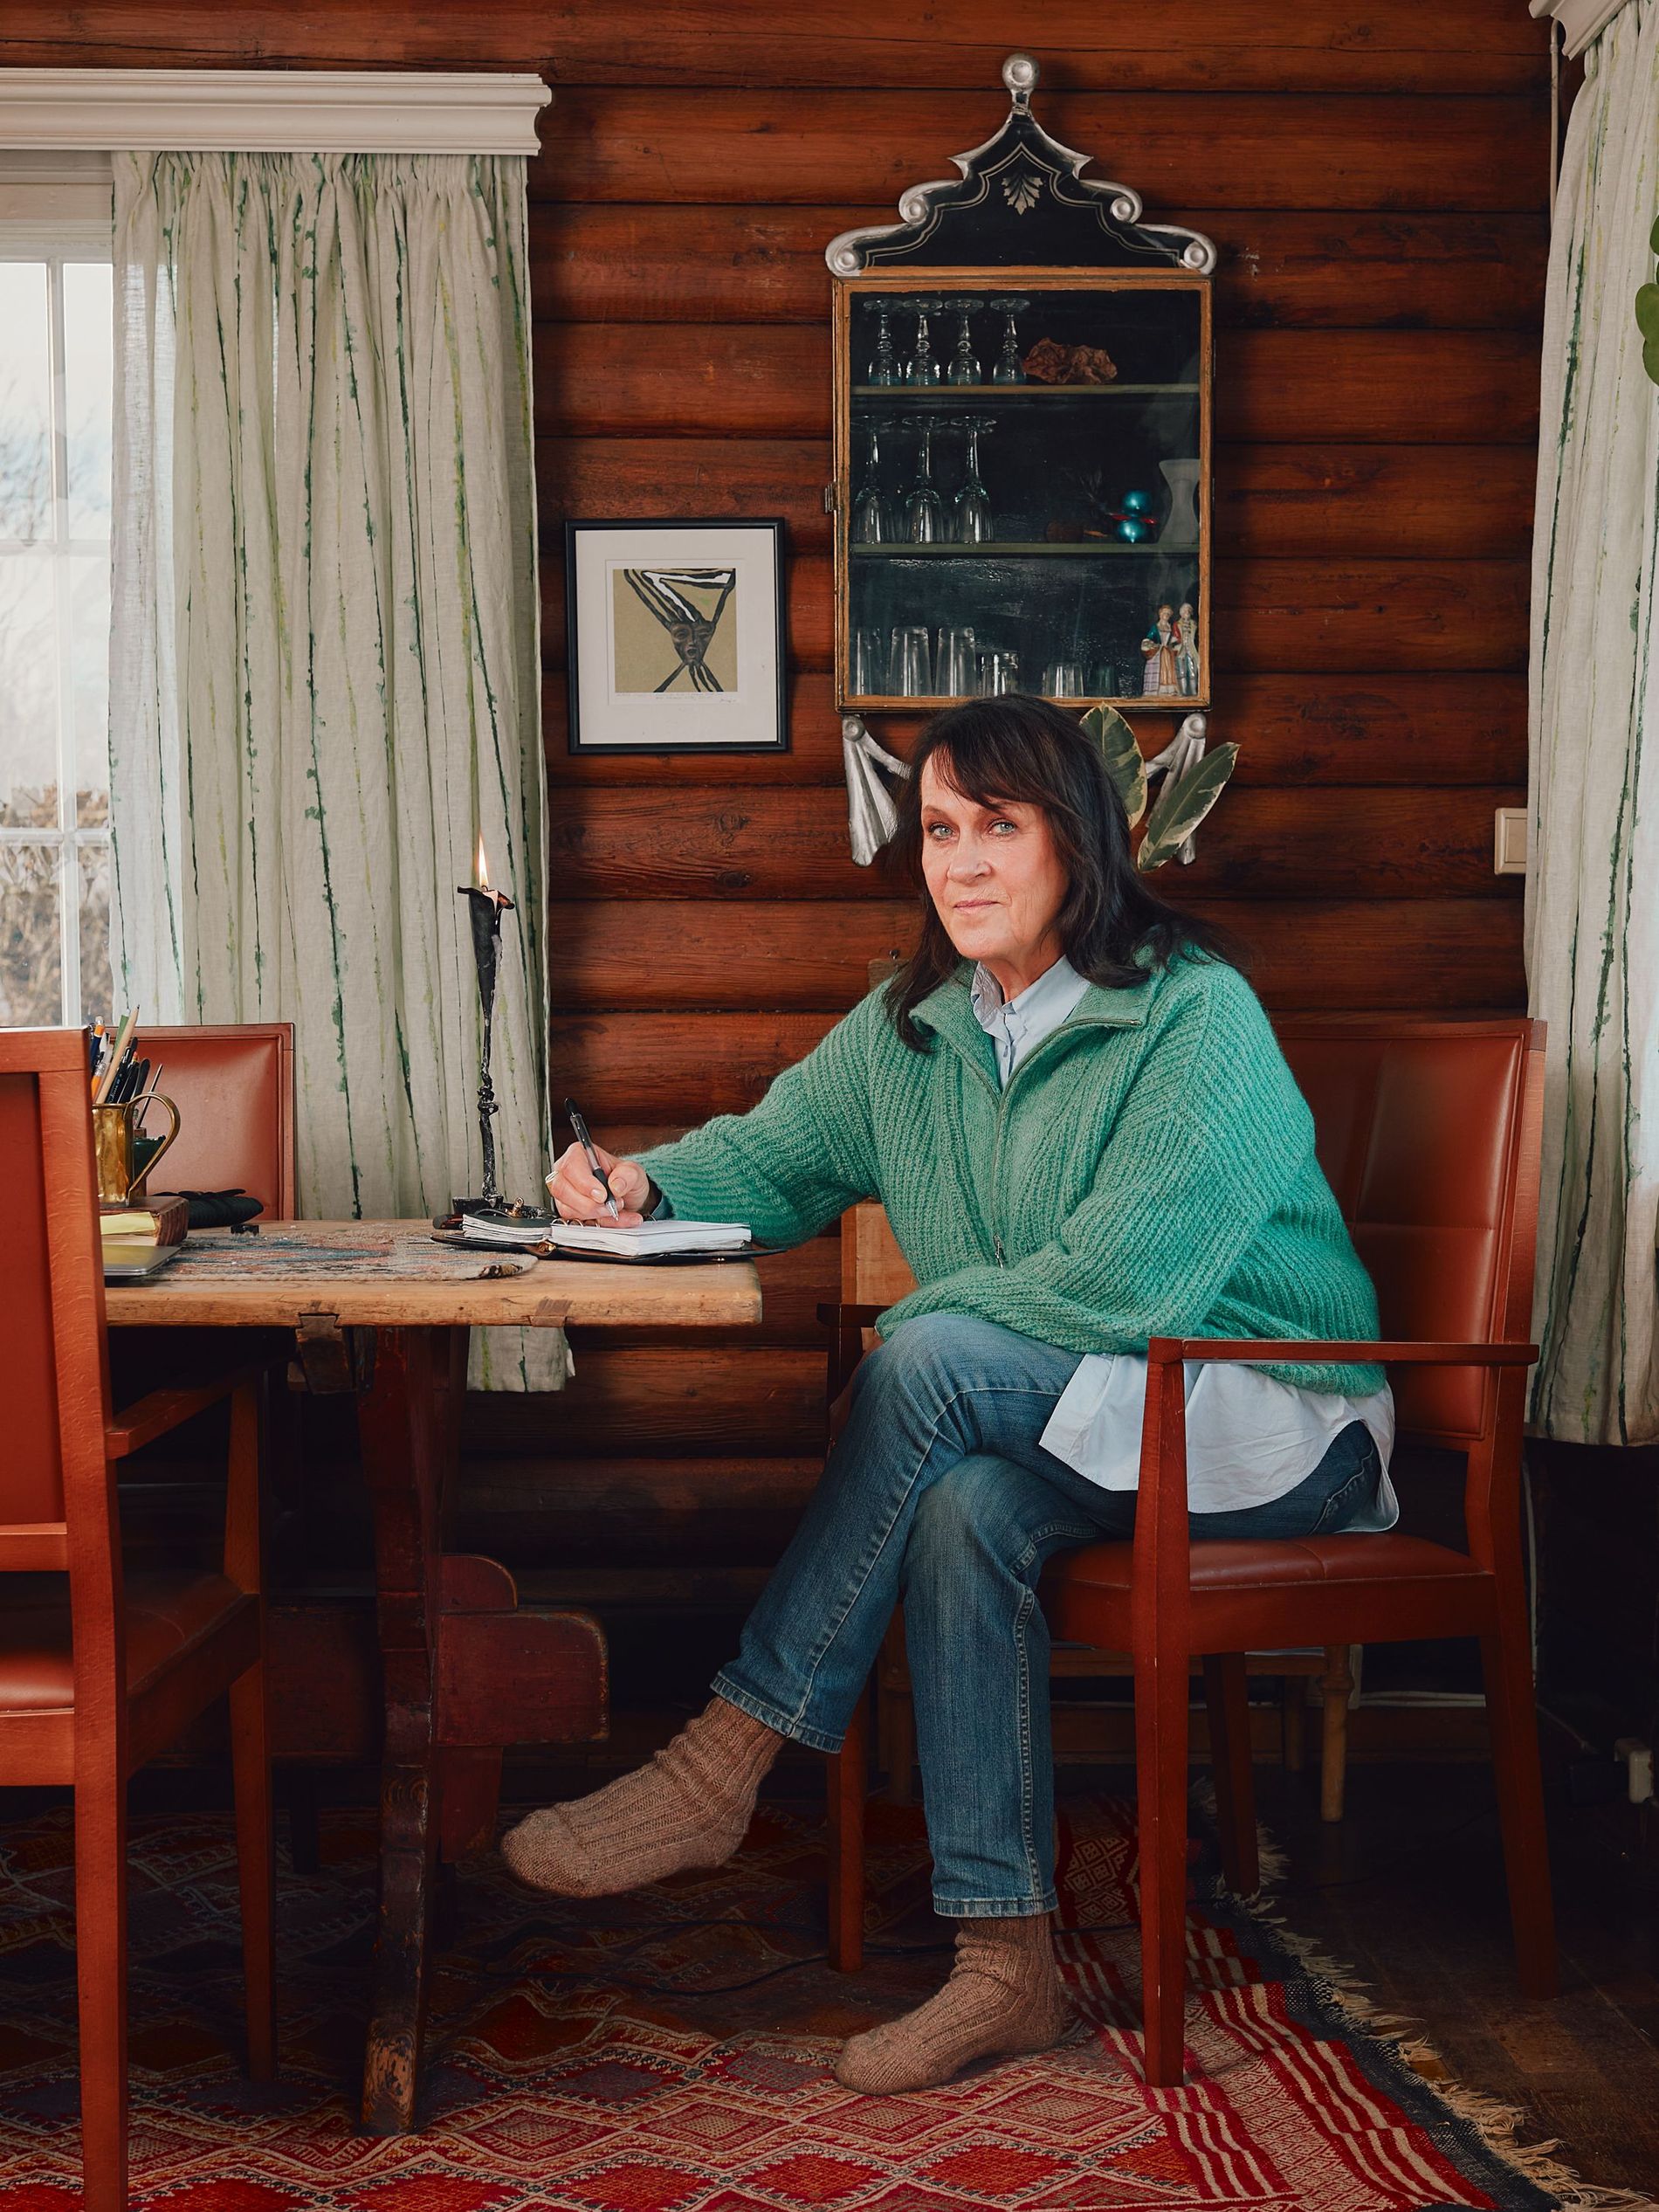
x,y
1072,1107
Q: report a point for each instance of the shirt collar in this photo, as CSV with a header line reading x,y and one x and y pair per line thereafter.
x,y
1041,1006
947,1012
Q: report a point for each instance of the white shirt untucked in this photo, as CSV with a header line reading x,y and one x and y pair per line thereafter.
x,y
1250,1438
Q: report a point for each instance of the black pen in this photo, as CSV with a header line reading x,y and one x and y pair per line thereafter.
x,y
575,1118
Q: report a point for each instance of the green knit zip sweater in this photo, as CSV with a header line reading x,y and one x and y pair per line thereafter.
x,y
1148,1171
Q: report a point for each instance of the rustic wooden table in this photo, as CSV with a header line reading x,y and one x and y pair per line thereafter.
x,y
379,1309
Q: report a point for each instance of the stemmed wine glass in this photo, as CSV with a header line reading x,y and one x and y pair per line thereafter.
x,y
1008,369
872,511
974,523
921,369
964,368
883,363
924,509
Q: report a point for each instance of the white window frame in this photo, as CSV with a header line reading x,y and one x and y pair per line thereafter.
x,y
48,212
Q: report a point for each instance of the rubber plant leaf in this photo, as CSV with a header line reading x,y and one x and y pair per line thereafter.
x,y
1182,805
1648,311
1122,757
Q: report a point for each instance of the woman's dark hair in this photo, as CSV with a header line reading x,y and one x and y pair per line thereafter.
x,y
1114,929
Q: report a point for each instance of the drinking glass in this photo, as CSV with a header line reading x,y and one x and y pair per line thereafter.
x,y
957,669
964,368
1103,679
998,672
869,671
973,521
1008,369
910,669
924,509
884,364
873,521
1063,679
921,369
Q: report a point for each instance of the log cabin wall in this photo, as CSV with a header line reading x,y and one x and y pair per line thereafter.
x,y
1375,174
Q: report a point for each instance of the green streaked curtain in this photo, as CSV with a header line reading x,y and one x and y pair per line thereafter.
x,y
325,652
1593,880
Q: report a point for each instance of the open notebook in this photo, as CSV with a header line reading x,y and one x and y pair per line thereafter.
x,y
651,1240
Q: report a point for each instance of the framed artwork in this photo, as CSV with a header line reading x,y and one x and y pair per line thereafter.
x,y
675,637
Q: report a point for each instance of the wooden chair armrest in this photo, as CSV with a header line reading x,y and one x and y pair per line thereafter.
x,y
153,1416
847,1325
1384,1353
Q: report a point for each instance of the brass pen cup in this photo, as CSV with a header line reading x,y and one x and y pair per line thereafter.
x,y
123,1154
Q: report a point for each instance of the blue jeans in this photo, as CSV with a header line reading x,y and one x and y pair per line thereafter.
x,y
938,1493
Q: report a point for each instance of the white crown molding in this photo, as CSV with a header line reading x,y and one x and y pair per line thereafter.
x,y
1580,20
270,110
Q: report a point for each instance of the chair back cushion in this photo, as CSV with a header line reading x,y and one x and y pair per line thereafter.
x,y
51,1345
233,1086
1419,1127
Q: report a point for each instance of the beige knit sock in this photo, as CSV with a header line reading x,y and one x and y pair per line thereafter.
x,y
1003,1998
689,1807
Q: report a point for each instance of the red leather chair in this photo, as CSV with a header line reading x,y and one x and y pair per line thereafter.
x,y
233,1086
1429,1133
101,1669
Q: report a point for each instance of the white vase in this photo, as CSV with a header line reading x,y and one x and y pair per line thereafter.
x,y
1181,477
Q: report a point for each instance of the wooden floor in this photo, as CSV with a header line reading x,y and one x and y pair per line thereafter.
x,y
1408,1891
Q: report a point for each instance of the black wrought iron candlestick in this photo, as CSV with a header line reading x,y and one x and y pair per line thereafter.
x,y
486,908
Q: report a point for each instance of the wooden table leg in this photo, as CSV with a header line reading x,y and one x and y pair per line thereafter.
x,y
407,1420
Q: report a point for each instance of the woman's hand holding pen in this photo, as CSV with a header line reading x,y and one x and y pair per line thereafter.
x,y
577,1197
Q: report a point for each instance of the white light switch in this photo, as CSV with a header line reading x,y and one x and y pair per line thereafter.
x,y
1509,841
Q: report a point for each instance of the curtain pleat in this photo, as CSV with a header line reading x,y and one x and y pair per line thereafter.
x,y
325,652
1593,882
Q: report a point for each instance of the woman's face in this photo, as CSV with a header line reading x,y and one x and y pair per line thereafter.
x,y
995,879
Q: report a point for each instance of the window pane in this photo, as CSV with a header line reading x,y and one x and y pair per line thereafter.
x,y
28,692
97,991
30,938
88,376
86,576
25,403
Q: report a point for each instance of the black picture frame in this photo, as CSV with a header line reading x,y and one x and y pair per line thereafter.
x,y
579,736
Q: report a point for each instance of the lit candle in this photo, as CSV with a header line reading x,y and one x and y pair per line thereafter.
x,y
486,908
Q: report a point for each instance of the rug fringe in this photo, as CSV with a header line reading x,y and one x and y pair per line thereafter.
x,y
1497,2124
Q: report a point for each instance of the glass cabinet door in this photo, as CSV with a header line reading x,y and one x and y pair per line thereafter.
x,y
1022,465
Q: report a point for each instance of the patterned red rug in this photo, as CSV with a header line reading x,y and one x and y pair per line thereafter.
x,y
671,2052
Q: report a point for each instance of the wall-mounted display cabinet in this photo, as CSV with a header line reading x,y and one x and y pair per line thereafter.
x,y
1022,399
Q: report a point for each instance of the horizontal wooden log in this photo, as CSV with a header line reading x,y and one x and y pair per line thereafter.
x,y
1285,617
1290,387
603,1513
811,957
1450,502
1279,268
1436,729
679,1066
1439,502
1200,149
745,1400
625,847
1300,46
1427,954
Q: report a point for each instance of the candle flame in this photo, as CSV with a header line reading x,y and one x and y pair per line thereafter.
x,y
484,866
